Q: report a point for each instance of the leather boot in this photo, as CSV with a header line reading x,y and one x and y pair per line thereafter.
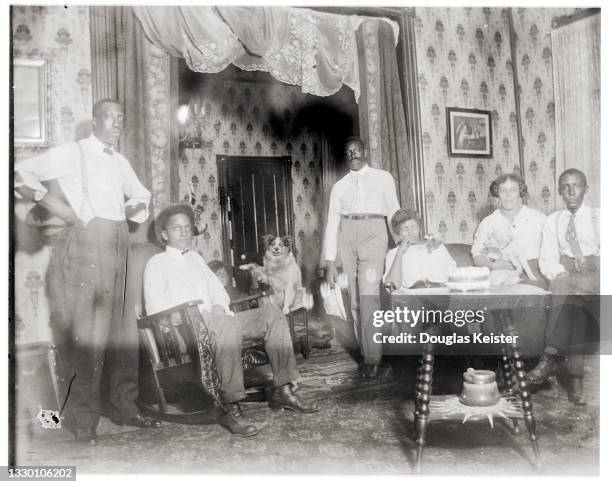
x,y
141,421
369,372
86,436
575,391
284,398
235,422
546,368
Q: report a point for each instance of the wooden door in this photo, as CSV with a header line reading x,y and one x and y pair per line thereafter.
x,y
256,199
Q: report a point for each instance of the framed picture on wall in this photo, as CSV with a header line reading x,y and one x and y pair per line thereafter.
x,y
30,98
469,132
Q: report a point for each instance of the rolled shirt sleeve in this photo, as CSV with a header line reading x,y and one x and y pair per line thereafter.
x,y
216,292
390,257
135,191
333,222
391,200
550,256
52,164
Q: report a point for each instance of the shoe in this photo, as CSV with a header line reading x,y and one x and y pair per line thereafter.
x,y
86,436
546,368
235,422
141,421
369,372
575,391
284,398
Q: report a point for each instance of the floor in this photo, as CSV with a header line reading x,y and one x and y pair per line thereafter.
x,y
360,429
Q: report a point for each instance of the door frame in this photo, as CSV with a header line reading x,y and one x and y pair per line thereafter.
x,y
223,165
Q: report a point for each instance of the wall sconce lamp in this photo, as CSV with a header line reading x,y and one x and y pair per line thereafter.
x,y
192,123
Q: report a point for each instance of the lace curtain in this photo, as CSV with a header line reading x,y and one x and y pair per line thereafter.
x,y
314,50
577,85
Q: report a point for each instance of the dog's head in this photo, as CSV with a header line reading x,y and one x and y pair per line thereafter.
x,y
276,247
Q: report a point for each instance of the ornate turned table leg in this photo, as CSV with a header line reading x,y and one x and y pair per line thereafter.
x,y
523,385
421,403
525,396
508,384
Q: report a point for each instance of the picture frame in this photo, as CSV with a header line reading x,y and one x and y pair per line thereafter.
x,y
469,132
31,109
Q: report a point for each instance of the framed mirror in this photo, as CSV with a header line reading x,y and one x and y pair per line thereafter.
x,y
31,126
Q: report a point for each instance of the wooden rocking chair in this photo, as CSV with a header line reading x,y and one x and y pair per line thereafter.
x,y
176,359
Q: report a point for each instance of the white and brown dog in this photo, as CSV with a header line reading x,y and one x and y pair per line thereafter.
x,y
281,272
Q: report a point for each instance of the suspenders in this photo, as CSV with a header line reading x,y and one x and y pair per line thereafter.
x,y
84,184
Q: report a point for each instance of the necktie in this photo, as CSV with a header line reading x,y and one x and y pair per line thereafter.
x,y
572,240
183,252
108,151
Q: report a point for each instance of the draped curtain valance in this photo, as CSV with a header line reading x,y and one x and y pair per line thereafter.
x,y
317,51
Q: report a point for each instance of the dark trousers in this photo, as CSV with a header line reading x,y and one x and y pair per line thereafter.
x,y
97,357
575,305
227,333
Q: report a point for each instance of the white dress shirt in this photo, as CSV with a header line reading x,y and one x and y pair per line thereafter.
x,y
109,179
498,231
554,243
172,278
369,191
420,265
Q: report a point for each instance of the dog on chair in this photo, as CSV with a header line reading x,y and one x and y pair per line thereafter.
x,y
281,272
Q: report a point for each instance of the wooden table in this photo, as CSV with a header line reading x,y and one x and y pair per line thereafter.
x,y
498,302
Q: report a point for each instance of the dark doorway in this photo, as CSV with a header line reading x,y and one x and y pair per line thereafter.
x,y
255,195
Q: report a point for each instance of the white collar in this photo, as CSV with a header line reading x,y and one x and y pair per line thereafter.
x,y
175,253
501,213
361,171
584,210
98,145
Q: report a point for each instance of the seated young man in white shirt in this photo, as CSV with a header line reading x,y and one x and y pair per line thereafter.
x,y
570,261
413,262
179,275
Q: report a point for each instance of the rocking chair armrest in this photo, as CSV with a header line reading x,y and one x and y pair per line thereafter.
x,y
146,320
246,299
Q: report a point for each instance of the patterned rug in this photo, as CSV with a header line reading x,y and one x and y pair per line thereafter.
x,y
360,429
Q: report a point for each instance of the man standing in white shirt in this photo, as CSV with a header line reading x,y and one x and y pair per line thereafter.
x,y
357,233
179,275
569,259
86,274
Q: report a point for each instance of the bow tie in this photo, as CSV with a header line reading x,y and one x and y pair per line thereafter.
x,y
183,252
108,151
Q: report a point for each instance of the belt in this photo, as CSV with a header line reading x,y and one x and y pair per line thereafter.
x,y
362,216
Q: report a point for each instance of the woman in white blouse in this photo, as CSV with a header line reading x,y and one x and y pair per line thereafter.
x,y
512,233
414,262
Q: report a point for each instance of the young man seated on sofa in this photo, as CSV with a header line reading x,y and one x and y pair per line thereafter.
x,y
179,275
414,262
570,261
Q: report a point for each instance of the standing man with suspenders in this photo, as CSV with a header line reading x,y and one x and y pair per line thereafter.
x,y
569,259
86,274
357,233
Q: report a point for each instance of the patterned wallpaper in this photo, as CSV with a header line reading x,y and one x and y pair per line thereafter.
x,y
464,60
253,119
534,56
61,36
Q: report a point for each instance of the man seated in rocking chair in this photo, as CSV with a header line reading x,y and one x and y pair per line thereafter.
x,y
179,275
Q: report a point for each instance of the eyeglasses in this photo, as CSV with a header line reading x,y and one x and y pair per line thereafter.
x,y
350,152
